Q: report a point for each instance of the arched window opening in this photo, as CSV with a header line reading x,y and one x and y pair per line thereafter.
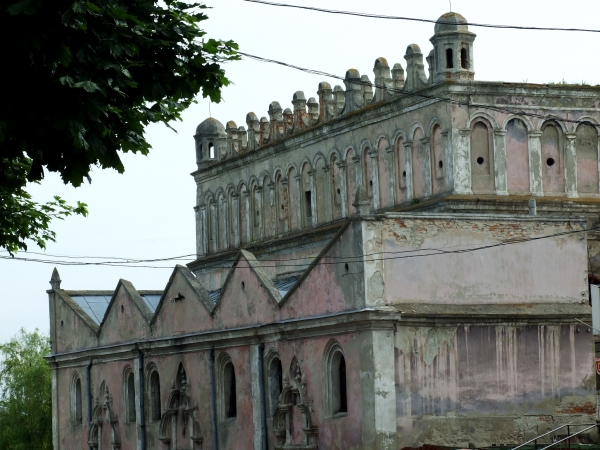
x,y
482,163
130,397
275,383
464,58
338,392
449,58
76,399
336,381
155,396
200,152
308,203
230,394
343,392
211,150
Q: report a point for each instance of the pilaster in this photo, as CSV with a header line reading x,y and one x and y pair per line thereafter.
x,y
375,175
462,161
391,163
408,180
343,188
426,143
235,219
500,161
448,158
535,163
328,197
570,165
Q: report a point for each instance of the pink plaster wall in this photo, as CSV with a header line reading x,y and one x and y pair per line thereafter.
x,y
586,146
517,157
124,321
553,178
546,270
498,372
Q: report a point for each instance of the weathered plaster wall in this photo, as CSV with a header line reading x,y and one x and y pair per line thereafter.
x,y
489,385
544,270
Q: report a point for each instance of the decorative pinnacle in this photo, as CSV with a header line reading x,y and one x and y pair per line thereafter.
x,y
55,280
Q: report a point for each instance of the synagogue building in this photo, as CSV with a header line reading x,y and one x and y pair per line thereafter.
x,y
401,261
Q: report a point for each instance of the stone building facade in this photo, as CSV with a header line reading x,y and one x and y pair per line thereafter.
x,y
397,263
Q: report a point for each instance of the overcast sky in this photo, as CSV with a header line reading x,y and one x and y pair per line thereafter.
x,y
148,211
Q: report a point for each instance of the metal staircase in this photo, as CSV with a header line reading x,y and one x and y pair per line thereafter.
x,y
557,438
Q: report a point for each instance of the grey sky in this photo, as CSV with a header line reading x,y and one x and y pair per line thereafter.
x,y
147,212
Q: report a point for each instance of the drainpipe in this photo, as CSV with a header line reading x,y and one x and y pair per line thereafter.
x,y
261,390
213,400
142,400
88,374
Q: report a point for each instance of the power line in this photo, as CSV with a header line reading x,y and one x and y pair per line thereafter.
x,y
412,94
413,19
345,260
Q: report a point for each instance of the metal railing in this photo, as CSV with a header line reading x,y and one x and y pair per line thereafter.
x,y
568,438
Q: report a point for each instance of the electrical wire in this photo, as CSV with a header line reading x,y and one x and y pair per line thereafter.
x,y
414,19
412,94
345,260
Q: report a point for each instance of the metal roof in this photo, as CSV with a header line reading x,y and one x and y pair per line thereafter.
x,y
95,306
283,286
214,296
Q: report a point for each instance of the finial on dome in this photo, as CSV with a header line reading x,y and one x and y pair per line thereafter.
x,y
55,279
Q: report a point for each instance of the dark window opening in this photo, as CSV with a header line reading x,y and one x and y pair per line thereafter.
x,y
449,58
464,58
200,149
155,396
550,161
346,267
211,150
78,406
282,208
230,400
343,392
441,164
371,183
308,203
480,160
275,383
130,398
404,173
339,396
338,191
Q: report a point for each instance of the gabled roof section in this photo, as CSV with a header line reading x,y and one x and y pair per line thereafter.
x,y
85,314
190,278
135,297
291,288
255,266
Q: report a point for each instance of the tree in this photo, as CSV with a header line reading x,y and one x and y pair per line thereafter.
x,y
82,80
26,393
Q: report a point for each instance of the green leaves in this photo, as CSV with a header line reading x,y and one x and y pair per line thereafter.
x,y
23,219
26,393
85,80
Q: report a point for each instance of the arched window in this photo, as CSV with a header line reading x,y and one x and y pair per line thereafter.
x,y
335,372
464,58
275,383
228,389
211,150
155,413
482,157
586,147
76,405
517,156
129,403
449,58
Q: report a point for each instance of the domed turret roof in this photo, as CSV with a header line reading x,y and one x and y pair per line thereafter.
x,y
210,126
451,22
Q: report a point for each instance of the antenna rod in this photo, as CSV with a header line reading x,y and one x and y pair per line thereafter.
x,y
450,5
